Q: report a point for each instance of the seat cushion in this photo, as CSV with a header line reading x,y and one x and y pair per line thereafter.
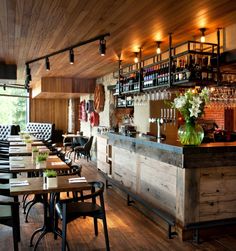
x,y
5,211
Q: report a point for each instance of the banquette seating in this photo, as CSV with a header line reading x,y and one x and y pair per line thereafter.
x,y
6,130
42,131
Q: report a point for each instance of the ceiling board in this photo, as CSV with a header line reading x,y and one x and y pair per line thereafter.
x,y
30,29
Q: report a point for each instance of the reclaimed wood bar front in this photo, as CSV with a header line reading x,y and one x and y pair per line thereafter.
x,y
194,184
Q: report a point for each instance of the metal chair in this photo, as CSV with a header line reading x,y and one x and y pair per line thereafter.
x,y
70,209
9,211
84,150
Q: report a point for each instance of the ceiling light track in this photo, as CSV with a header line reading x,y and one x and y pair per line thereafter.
x,y
100,37
102,50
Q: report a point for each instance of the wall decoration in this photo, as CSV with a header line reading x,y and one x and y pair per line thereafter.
x,y
99,98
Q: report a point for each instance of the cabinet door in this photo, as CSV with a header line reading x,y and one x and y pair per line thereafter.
x,y
124,167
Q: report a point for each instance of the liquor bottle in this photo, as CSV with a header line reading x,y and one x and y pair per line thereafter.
x,y
197,67
209,70
204,68
181,69
188,66
177,70
166,73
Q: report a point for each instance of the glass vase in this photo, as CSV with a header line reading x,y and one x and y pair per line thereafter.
x,y
190,134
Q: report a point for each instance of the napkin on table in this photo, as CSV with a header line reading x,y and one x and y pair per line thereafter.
x,y
15,183
77,179
16,158
17,165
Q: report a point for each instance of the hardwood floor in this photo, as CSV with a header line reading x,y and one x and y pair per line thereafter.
x,y
128,229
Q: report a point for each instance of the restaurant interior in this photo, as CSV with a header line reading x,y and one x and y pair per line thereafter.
x,y
117,125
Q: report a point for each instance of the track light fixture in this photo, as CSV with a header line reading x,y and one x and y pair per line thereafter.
x,y
158,50
136,57
102,50
102,47
71,56
47,64
202,39
28,71
4,87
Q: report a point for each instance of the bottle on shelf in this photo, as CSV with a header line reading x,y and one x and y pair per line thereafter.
x,y
177,70
204,68
209,70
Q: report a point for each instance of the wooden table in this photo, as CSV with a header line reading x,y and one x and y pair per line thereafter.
x,y
25,164
16,138
18,143
36,186
24,151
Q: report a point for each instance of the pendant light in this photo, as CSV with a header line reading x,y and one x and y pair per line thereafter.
x,y
71,56
136,58
47,64
158,50
102,47
202,39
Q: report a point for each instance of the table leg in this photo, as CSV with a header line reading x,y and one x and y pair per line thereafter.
x,y
48,226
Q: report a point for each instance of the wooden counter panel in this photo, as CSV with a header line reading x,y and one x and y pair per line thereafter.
x,y
158,183
217,193
124,167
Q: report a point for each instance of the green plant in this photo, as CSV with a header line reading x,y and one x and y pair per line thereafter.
x,y
50,173
191,104
28,140
26,136
41,157
35,150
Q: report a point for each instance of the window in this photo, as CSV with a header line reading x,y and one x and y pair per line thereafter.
x,y
13,106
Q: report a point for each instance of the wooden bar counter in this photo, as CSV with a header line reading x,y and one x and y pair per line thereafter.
x,y
194,184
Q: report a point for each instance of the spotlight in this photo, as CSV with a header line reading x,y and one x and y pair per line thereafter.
x,y
102,47
158,50
4,87
29,78
71,56
28,71
47,64
26,83
203,39
136,58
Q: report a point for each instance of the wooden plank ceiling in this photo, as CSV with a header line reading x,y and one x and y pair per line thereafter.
x,y
33,28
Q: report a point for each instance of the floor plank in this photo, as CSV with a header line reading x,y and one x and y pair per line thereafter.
x,y
128,229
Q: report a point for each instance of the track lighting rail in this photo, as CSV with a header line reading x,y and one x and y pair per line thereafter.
x,y
99,37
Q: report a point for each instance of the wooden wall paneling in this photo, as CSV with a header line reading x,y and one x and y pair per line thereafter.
x,y
27,31
50,111
191,194
124,169
158,183
83,85
52,85
217,193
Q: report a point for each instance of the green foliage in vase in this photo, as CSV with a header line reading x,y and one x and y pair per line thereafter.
x,y
35,150
28,140
191,104
50,173
41,157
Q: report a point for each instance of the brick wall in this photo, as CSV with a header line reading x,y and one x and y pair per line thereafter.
x,y
215,113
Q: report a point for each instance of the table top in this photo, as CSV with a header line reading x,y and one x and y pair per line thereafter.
x,y
24,151
36,186
71,135
17,138
18,143
26,164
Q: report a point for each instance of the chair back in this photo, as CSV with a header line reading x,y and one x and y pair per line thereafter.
x,y
88,145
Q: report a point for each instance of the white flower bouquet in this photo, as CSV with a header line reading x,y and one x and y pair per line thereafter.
x,y
191,105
